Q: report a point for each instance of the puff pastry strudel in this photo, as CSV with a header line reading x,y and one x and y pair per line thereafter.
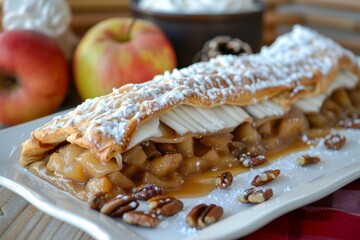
x,y
199,118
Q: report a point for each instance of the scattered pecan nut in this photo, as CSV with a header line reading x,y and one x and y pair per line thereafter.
x,y
204,215
334,141
350,123
142,219
255,195
98,200
265,177
166,206
251,160
146,192
307,159
119,205
224,180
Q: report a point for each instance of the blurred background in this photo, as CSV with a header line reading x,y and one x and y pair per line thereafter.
x,y
337,19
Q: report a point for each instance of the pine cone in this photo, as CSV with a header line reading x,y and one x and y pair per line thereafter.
x,y
222,45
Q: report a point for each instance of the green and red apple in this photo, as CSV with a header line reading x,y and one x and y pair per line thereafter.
x,y
34,76
118,51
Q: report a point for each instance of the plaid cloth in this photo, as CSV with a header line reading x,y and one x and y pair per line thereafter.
x,y
336,216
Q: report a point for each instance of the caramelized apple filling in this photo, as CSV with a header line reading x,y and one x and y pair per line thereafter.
x,y
169,162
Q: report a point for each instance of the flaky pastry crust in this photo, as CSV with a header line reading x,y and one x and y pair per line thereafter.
x,y
299,63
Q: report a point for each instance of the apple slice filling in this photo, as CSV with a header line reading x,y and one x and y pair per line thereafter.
x,y
168,158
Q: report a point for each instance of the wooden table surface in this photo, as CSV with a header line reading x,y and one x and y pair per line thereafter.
x,y
20,220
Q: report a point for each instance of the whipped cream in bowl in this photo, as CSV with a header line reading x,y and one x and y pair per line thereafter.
x,y
198,6
189,24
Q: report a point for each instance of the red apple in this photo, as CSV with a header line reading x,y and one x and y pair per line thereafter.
x,y
34,76
119,51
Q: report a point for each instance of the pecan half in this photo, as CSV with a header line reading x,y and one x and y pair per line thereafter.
x,y
224,180
147,191
334,141
98,200
251,160
204,215
350,123
265,177
142,219
164,205
255,195
119,205
307,159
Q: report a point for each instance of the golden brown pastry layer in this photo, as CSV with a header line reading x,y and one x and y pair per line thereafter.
x,y
299,63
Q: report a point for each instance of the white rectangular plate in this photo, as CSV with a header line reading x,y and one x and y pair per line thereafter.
x,y
295,187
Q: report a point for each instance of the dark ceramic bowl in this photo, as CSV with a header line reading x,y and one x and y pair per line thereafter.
x,y
189,32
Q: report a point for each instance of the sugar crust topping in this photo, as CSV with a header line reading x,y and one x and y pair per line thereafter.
x,y
289,63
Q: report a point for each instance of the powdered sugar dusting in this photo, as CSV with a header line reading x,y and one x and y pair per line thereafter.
x,y
222,80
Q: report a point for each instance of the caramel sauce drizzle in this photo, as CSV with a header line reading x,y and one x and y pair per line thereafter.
x,y
203,183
